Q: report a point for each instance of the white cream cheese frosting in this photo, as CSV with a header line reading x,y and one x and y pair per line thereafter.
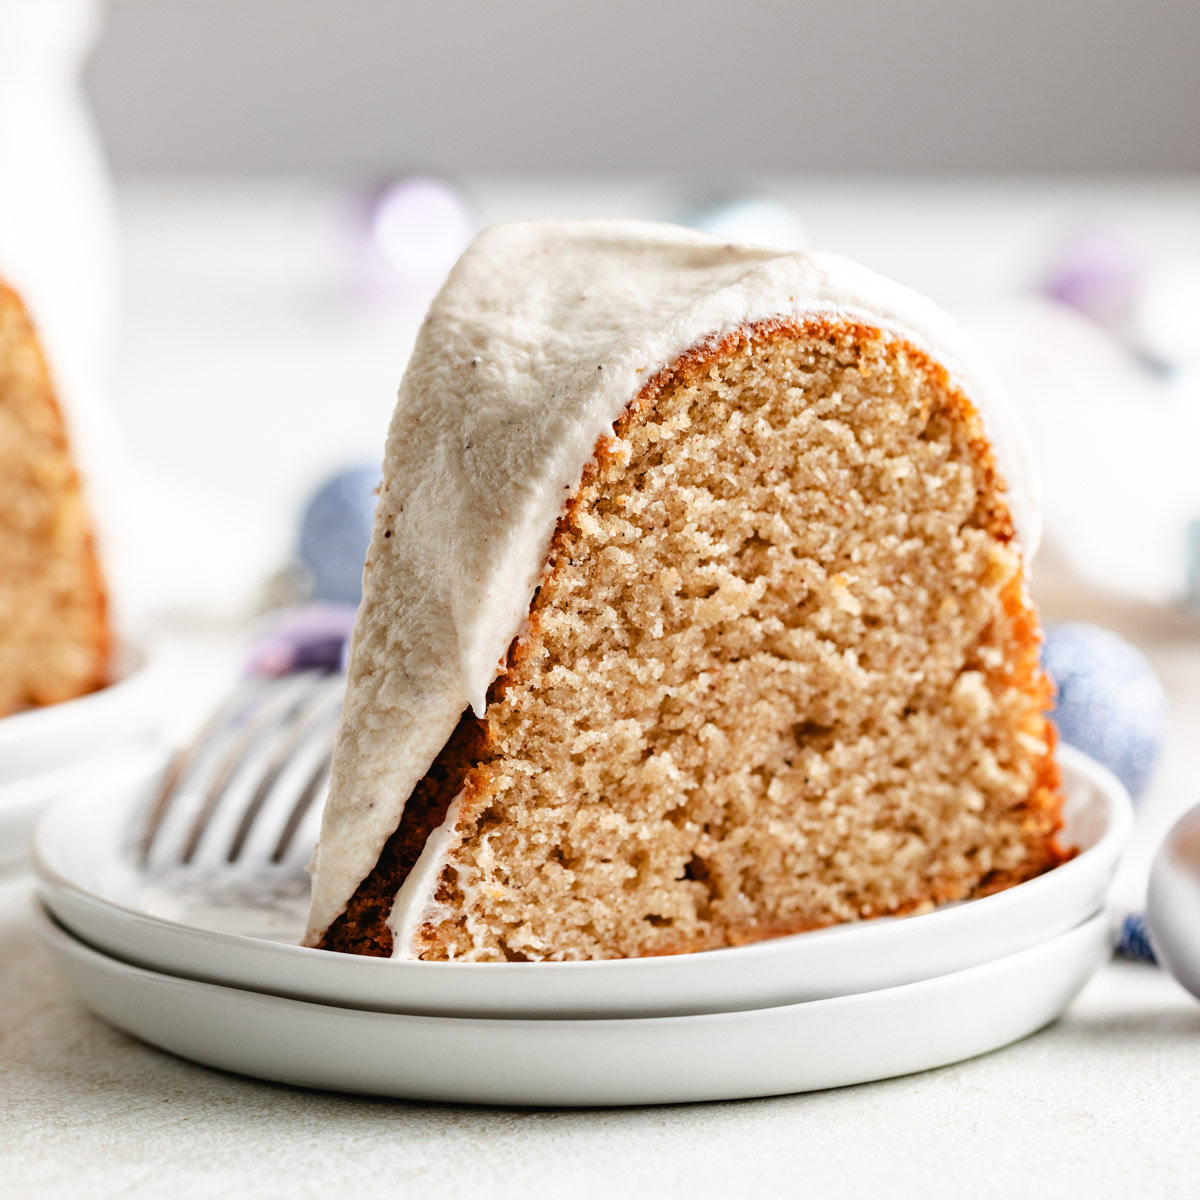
x,y
413,901
540,338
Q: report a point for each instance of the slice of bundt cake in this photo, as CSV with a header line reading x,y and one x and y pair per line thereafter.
x,y
54,633
695,613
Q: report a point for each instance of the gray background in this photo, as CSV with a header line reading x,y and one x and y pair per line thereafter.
x,y
704,87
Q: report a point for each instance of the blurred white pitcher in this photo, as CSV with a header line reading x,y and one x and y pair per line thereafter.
x,y
57,230
58,238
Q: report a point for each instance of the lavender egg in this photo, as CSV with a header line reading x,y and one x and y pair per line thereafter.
x,y
313,637
1110,703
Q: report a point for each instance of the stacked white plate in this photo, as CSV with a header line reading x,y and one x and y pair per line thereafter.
x,y
207,967
48,753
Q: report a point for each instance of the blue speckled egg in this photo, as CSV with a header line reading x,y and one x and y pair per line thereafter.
x,y
1110,704
1133,939
335,532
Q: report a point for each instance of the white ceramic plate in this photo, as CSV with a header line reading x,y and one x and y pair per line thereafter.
x,y
45,739
718,1056
196,925
22,801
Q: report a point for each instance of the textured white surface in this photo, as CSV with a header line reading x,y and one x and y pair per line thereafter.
x,y
540,338
1102,1104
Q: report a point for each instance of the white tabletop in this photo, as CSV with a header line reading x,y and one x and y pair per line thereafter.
x,y
1104,1103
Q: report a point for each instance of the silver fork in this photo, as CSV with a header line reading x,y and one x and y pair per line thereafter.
x,y
249,788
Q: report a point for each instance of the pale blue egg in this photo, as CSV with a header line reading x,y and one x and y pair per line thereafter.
x,y
760,220
335,532
1110,703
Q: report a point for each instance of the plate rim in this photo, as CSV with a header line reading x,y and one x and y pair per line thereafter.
x,y
601,1062
1119,811
137,669
124,759
53,931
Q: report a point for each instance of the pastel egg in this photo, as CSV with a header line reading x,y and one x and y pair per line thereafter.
x,y
311,637
1110,703
335,532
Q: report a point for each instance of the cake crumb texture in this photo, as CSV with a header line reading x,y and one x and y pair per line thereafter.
x,y
54,634
782,672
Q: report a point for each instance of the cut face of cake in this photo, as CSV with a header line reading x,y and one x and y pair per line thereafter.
x,y
54,632
695,613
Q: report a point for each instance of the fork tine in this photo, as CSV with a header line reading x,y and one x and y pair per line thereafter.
x,y
248,691
279,706
317,716
318,780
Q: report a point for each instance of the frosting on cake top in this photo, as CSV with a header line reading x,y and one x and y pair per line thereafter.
x,y
540,338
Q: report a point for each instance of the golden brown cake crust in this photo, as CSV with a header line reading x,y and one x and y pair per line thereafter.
x,y
55,640
461,767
